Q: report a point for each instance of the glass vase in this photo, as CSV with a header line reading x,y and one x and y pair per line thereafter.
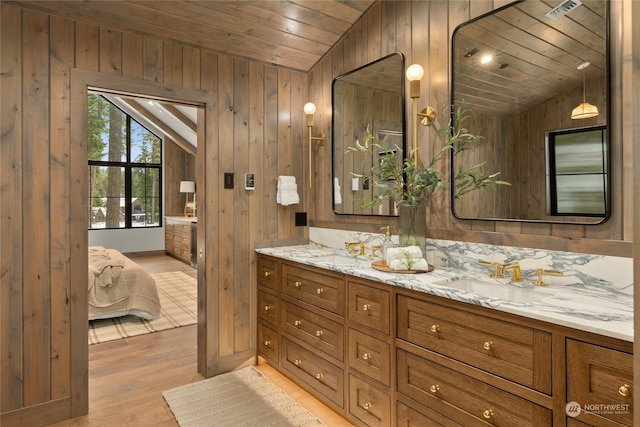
x,y
413,226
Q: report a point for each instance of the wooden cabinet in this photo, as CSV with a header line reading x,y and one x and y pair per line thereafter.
x,y
177,238
600,380
384,356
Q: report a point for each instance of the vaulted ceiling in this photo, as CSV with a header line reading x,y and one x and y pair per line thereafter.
x,y
288,33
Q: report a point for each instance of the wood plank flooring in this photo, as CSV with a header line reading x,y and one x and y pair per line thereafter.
x,y
127,377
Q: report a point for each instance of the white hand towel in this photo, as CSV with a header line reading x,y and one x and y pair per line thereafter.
x,y
402,252
419,264
337,193
287,191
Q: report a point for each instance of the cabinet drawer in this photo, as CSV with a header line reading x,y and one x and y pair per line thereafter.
x,y
322,376
370,356
268,274
369,306
323,290
268,307
464,399
517,353
321,333
600,379
368,403
268,343
409,417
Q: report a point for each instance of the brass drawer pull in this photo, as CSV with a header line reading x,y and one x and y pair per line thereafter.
x,y
488,345
267,274
319,333
487,413
435,328
319,375
367,405
367,356
267,343
297,362
297,284
366,307
320,291
267,308
624,390
297,322
434,388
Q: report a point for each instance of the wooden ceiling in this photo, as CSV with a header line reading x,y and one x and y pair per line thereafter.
x,y
535,58
288,33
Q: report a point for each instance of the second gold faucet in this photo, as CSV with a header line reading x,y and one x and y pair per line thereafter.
x,y
353,246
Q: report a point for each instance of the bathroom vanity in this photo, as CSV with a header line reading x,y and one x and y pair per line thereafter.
x,y
387,349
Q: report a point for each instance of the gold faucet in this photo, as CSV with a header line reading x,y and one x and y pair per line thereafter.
x,y
542,271
351,247
498,272
516,270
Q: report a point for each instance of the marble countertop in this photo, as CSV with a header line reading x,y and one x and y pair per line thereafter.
x,y
600,311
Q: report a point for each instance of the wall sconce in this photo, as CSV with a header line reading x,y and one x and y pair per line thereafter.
x,y
309,111
584,110
188,187
414,74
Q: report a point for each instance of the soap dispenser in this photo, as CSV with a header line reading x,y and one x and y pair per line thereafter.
x,y
387,243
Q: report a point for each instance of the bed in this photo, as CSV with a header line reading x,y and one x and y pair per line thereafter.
x,y
119,287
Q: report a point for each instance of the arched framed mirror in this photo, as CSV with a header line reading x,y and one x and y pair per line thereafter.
x,y
368,98
525,71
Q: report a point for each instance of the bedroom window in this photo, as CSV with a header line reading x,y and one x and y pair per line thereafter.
x,y
125,169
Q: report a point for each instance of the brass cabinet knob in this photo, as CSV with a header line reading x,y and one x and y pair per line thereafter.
x,y
267,308
435,328
434,388
487,413
366,307
624,390
320,291
367,356
297,284
267,343
367,405
297,322
319,375
267,274
319,333
297,362
488,345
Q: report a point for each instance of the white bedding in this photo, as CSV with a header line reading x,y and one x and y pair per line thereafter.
x,y
119,287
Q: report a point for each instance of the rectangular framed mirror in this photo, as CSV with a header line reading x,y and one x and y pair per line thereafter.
x,y
369,98
525,71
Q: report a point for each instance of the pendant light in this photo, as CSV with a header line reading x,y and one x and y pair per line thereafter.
x,y
584,110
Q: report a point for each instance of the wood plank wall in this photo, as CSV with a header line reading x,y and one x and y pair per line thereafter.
x,y
259,129
422,31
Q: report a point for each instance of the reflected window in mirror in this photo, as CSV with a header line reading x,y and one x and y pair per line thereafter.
x,y
577,172
367,99
520,71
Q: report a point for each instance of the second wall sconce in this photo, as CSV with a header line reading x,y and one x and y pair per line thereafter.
x,y
309,111
414,74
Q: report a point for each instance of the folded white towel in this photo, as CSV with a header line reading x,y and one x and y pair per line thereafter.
x,y
287,191
416,264
402,252
337,192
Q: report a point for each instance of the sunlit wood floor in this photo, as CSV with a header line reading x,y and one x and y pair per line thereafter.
x,y
127,377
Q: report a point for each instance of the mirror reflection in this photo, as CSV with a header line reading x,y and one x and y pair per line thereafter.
x,y
368,98
526,71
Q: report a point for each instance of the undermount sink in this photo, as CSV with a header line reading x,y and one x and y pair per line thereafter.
x,y
338,259
496,290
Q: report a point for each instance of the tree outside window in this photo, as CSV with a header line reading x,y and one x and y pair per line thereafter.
x,y
125,169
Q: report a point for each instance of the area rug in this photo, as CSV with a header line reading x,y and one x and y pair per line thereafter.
x,y
240,398
179,307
